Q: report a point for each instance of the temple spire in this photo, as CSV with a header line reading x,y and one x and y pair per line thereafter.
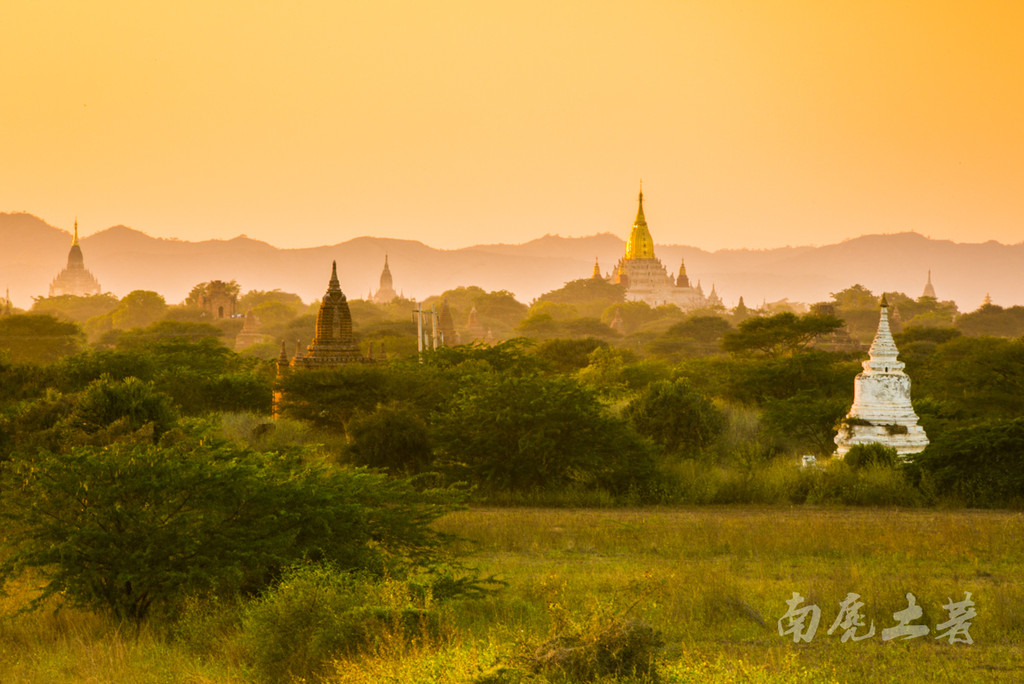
x,y
334,284
74,240
883,352
640,220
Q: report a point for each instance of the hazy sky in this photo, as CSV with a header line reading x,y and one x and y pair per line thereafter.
x,y
752,124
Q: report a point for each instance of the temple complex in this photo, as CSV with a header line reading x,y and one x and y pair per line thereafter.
x,y
333,343
75,279
881,409
386,292
644,276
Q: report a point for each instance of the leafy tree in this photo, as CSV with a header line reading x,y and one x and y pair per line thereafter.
x,y
806,421
696,336
35,338
138,309
634,315
590,297
614,372
983,464
134,528
783,334
77,309
231,288
568,356
993,320
132,401
256,298
393,436
676,416
532,432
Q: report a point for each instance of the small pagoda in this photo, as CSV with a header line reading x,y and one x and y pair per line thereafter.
x,y
333,343
386,292
881,409
75,279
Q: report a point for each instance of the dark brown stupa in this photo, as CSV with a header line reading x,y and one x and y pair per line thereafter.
x,y
333,343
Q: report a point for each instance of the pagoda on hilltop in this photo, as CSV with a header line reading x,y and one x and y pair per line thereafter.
x,y
75,279
645,277
881,409
333,343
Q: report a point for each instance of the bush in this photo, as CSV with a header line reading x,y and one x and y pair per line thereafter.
x,y
982,464
522,433
393,436
315,614
874,453
676,416
134,527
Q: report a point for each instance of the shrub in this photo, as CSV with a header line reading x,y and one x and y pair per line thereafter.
x,y
676,416
981,464
134,527
315,614
874,453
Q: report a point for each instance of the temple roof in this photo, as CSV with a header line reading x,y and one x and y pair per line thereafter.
x,y
640,244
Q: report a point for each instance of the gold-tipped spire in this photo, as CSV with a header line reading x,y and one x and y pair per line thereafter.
x,y
640,244
74,240
597,269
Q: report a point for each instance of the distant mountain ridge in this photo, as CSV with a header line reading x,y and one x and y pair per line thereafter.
x,y
123,259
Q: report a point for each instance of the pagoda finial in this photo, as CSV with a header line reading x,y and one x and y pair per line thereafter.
x,y
884,303
74,240
597,269
334,276
640,220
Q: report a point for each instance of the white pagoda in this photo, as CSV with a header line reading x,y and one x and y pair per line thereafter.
x,y
881,409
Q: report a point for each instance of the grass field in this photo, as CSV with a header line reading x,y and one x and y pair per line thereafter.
x,y
713,581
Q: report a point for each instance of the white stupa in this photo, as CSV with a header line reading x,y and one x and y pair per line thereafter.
x,y
881,409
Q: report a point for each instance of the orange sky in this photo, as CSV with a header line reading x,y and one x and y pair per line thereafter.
x,y
753,124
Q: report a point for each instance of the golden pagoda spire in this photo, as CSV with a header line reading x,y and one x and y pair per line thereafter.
x,y
597,269
74,240
640,244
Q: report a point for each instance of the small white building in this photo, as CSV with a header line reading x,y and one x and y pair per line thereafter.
x,y
881,409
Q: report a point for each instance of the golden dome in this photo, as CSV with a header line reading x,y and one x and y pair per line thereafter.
x,y
640,244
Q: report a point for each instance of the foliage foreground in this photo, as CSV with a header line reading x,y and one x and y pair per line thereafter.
x,y
641,595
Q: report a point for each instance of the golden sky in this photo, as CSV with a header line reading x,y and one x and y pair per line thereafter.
x,y
752,124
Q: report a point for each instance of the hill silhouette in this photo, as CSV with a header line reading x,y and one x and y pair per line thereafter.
x,y
125,259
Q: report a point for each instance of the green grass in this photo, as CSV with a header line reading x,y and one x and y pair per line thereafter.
x,y
712,580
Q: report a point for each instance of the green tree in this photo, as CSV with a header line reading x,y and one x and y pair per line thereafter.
x,y
590,297
134,528
138,309
783,334
77,309
393,436
982,464
532,432
34,338
676,416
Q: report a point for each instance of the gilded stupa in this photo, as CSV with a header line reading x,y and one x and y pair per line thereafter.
x,y
881,409
645,277
333,343
75,279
